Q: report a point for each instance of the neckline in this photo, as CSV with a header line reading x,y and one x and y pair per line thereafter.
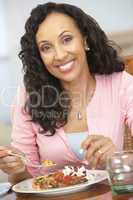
x,y
64,136
89,103
95,92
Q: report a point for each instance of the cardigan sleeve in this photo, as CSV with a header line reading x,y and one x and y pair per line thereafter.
x,y
23,135
127,98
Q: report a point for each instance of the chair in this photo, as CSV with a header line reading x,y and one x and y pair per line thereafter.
x,y
128,139
128,60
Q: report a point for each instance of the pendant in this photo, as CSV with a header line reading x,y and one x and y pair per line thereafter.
x,y
79,115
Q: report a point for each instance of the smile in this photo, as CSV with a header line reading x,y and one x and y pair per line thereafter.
x,y
66,67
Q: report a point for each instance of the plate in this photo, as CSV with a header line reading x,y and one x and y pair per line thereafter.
x,y
26,185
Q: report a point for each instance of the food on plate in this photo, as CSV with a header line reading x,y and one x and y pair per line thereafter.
x,y
68,176
48,163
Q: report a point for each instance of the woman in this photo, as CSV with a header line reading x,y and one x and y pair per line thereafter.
x,y
76,93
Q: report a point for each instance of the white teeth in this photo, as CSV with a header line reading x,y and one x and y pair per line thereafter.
x,y
66,66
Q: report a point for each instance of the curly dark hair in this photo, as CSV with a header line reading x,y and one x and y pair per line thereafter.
x,y
102,59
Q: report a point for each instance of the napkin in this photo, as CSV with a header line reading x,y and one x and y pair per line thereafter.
x,y
4,188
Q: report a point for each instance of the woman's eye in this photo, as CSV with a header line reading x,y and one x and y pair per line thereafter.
x,y
45,48
67,39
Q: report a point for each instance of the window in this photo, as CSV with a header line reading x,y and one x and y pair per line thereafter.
x,y
3,30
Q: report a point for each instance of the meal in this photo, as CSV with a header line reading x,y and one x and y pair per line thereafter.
x,y
48,163
68,176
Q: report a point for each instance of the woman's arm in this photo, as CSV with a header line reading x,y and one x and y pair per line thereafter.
x,y
23,134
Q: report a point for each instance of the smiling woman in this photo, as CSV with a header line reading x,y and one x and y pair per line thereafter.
x,y
74,83
63,51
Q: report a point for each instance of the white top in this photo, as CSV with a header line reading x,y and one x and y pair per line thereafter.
x,y
75,140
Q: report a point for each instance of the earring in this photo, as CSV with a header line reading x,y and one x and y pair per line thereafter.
x,y
87,48
86,45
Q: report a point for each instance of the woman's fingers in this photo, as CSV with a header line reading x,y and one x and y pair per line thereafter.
x,y
3,154
110,151
3,151
102,154
98,148
95,147
8,163
9,159
12,168
90,139
7,150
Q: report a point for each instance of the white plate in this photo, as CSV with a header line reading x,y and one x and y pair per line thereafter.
x,y
26,186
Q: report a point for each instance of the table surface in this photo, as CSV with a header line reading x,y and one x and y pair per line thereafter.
x,y
99,191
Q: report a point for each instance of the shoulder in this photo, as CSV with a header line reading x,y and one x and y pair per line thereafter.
x,y
117,79
127,78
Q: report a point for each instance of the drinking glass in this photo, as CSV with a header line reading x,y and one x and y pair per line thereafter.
x,y
120,169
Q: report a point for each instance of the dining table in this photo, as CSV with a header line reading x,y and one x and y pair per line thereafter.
x,y
98,191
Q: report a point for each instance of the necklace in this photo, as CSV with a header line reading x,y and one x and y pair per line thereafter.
x,y
79,115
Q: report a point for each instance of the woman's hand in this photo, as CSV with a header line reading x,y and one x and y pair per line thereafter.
x,y
98,148
10,164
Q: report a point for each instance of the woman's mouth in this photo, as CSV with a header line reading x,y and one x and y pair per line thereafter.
x,y
66,67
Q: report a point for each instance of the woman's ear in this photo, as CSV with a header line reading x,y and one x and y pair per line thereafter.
x,y
86,45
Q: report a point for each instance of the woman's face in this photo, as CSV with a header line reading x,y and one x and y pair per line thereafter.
x,y
62,47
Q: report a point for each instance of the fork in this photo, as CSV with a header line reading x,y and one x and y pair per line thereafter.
x,y
28,161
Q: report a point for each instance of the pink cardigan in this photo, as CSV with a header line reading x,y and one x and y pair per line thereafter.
x,y
110,108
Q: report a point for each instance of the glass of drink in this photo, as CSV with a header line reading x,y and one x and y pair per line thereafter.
x,y
120,169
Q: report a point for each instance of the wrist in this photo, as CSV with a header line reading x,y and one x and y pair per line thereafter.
x,y
19,176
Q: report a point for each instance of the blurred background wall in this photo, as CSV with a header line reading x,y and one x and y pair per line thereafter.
x,y
114,17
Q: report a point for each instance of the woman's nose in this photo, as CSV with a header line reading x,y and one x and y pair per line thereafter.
x,y
60,53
